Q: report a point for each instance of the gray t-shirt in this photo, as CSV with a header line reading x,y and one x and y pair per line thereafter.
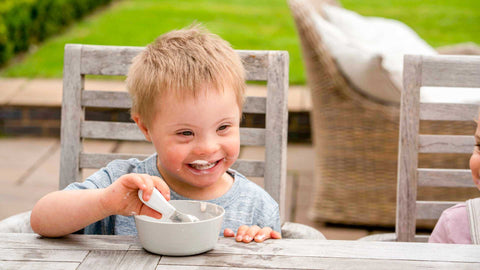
x,y
245,203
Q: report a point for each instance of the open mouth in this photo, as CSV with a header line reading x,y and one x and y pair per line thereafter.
x,y
203,164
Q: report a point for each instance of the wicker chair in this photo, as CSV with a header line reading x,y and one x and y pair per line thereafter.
x,y
356,140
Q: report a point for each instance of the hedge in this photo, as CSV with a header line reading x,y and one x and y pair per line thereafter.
x,y
26,22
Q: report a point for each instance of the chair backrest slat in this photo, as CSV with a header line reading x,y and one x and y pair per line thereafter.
x,y
81,60
115,61
448,111
444,178
432,71
456,71
431,209
445,144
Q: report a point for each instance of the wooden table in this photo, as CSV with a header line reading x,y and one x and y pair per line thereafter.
x,y
31,251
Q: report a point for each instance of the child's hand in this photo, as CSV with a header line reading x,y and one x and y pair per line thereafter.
x,y
121,197
246,234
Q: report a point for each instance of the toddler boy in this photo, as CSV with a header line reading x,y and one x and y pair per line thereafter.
x,y
187,90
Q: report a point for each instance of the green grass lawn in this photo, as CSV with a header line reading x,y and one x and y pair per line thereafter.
x,y
246,24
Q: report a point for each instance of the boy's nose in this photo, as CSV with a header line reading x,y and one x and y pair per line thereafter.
x,y
206,147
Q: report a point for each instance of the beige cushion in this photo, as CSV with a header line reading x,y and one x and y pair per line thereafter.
x,y
360,65
369,50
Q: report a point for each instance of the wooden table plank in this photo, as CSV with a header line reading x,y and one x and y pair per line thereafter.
x,y
209,260
353,249
103,259
188,267
72,242
33,254
125,252
33,265
139,259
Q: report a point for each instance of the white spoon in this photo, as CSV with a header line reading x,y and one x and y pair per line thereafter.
x,y
159,203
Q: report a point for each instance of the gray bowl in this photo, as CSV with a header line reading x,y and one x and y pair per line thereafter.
x,y
164,237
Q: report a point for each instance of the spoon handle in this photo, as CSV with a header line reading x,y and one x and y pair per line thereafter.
x,y
158,203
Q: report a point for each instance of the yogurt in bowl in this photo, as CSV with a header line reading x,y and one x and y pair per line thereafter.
x,y
164,237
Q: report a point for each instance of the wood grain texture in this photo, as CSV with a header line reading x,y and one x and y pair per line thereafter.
x,y
448,111
451,71
125,252
276,129
72,115
50,255
99,259
445,178
432,209
115,61
35,265
218,261
408,149
446,144
139,259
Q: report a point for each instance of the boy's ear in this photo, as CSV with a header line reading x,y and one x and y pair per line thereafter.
x,y
141,125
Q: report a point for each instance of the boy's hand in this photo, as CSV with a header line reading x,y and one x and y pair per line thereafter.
x,y
246,234
121,197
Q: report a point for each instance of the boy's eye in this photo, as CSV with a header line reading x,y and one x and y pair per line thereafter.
x,y
185,133
223,127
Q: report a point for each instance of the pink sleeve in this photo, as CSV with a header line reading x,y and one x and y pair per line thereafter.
x,y
452,227
440,234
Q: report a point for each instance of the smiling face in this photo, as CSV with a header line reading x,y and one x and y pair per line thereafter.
x,y
197,140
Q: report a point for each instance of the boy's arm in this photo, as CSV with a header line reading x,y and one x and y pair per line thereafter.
x,y
63,212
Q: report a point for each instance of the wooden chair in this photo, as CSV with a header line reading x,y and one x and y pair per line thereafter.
x,y
355,137
81,60
430,71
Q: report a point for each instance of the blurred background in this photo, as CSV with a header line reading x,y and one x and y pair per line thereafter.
x,y
37,51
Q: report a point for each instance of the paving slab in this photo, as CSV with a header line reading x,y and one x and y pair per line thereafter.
x,y
17,155
9,88
20,158
39,92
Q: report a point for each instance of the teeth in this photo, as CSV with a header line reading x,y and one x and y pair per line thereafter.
x,y
202,164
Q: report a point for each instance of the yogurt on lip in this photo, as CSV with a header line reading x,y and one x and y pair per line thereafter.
x,y
202,164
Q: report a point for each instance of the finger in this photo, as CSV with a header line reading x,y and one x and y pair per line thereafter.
x,y
145,210
241,232
263,234
139,183
147,180
275,235
250,234
228,233
160,184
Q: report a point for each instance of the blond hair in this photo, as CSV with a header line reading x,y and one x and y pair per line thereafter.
x,y
184,62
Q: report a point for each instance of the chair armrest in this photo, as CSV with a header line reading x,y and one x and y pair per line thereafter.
x,y
299,231
385,237
19,223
